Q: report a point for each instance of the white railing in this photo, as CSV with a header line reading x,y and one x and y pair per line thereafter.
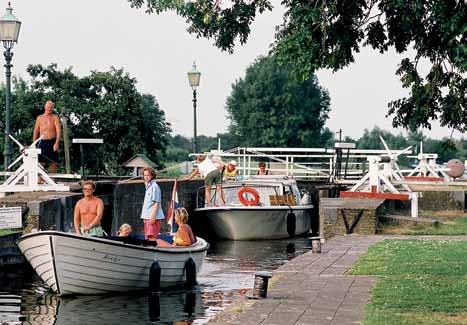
x,y
301,163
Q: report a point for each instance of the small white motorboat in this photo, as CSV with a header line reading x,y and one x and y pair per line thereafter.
x,y
72,264
261,207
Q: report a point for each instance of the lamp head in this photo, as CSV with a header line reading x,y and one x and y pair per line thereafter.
x,y
194,77
9,27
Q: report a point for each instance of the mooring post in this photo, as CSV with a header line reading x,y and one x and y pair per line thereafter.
x,y
316,244
260,289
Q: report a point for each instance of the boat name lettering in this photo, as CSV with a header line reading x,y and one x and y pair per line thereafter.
x,y
112,258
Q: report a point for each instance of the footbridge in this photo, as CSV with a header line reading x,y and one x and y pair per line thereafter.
x,y
343,163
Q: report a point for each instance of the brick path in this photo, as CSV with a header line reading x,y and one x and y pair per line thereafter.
x,y
312,288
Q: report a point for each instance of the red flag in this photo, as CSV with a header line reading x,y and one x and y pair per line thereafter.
x,y
172,206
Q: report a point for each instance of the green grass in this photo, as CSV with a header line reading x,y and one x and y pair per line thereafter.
x,y
419,282
448,225
5,232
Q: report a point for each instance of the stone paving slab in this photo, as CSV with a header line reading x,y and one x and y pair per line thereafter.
x,y
312,289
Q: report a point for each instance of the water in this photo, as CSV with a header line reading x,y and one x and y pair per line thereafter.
x,y
227,274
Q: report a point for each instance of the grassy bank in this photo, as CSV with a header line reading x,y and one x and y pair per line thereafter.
x,y
419,282
5,232
449,224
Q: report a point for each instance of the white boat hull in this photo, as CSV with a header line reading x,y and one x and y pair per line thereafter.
x,y
70,264
255,223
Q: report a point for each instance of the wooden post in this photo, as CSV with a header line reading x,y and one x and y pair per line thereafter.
x,y
66,141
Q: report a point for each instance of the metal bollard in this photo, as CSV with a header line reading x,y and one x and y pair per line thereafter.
x,y
316,244
260,289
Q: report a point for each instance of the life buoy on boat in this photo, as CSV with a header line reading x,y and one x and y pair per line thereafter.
x,y
241,196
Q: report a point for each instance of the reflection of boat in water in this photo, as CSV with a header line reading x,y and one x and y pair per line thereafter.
x,y
165,307
172,307
10,308
72,264
28,309
238,261
260,208
258,254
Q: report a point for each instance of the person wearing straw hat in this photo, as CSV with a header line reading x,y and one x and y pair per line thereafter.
x,y
231,171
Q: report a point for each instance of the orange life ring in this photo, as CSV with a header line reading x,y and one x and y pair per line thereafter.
x,y
244,200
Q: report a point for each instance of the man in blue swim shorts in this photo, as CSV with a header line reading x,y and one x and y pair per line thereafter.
x,y
48,127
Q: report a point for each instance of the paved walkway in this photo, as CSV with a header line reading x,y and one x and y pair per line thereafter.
x,y
312,288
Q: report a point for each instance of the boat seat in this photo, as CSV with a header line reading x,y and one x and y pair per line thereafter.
x,y
133,241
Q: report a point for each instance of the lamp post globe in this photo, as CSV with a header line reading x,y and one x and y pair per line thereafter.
x,y
194,77
9,32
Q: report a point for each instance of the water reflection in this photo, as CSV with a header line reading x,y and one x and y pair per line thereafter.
x,y
227,273
165,307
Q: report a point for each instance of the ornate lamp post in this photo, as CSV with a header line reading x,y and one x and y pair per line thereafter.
x,y
193,79
9,31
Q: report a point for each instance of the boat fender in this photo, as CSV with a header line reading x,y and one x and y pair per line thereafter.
x,y
291,223
243,200
190,273
155,277
154,306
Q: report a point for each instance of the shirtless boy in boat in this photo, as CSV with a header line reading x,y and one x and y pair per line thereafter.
x,y
88,212
48,126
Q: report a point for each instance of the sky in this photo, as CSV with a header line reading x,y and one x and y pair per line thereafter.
x,y
158,51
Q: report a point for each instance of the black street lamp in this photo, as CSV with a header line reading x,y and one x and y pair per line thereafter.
x,y
193,79
9,31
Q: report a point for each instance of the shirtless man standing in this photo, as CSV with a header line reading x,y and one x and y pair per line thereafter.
x,y
48,126
88,212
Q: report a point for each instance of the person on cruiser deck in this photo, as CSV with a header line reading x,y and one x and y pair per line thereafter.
x,y
231,171
211,172
262,169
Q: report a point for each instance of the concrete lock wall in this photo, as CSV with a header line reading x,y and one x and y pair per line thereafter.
x,y
44,211
442,200
432,200
347,216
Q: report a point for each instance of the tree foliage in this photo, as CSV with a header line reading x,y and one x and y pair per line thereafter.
x,y
271,108
445,148
102,105
179,147
328,33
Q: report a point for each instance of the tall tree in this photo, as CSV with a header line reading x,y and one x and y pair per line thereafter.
x,y
327,33
371,140
445,148
103,105
269,107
